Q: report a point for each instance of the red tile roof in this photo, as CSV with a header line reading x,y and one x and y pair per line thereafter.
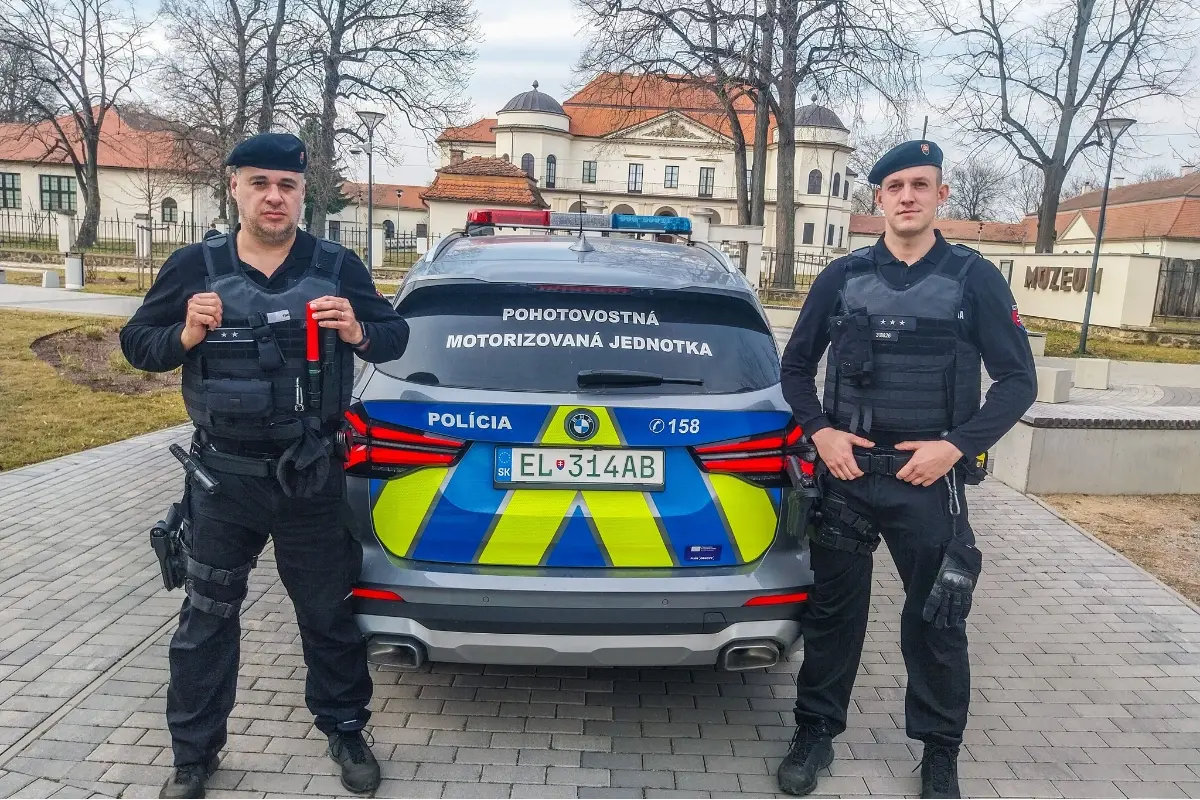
x,y
614,102
1177,218
1166,189
122,146
485,180
963,230
385,194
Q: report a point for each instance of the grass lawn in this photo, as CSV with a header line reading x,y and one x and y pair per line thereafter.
x,y
43,415
1064,343
105,283
1159,533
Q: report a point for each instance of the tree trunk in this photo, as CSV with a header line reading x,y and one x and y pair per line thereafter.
x,y
762,121
323,187
86,235
785,200
266,115
1051,189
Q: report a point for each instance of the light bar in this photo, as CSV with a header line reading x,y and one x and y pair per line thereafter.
x,y
574,221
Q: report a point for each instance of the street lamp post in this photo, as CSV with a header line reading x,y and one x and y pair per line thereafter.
x,y
399,194
370,119
1114,127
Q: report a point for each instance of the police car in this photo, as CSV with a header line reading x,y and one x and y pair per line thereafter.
x,y
579,459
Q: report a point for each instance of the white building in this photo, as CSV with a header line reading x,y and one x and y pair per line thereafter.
x,y
397,207
647,145
137,174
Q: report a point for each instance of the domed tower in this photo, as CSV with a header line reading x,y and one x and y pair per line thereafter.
x,y
823,184
534,132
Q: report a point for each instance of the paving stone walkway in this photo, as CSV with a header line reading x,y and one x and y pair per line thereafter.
x,y
1086,677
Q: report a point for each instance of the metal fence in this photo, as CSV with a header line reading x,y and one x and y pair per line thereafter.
x,y
25,230
1178,296
805,267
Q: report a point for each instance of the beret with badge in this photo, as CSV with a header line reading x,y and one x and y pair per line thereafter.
x,y
918,153
281,151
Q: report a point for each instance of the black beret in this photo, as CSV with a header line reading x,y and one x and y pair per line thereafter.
x,y
919,153
282,151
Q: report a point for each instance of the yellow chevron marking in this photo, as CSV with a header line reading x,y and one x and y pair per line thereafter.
x,y
527,526
556,432
749,513
627,528
402,506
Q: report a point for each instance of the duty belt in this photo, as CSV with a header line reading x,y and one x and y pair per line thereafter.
x,y
872,461
258,467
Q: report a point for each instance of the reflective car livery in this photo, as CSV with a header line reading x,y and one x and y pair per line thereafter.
x,y
577,460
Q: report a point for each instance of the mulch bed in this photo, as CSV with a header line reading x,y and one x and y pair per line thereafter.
x,y
85,357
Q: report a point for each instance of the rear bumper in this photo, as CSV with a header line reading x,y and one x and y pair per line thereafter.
x,y
743,645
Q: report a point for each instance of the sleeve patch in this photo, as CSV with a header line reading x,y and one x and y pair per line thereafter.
x,y
1016,318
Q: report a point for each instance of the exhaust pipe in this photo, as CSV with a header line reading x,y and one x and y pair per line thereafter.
x,y
749,655
403,652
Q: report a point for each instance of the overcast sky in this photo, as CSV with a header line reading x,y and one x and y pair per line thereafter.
x,y
527,40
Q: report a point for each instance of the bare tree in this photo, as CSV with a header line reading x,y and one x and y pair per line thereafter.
x,y
867,150
1027,189
82,57
1155,172
980,187
410,57
18,89
1040,77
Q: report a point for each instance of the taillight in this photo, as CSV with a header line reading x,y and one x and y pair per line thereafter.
x,y
777,599
759,458
385,450
375,594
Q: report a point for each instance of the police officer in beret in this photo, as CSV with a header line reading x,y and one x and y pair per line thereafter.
x,y
267,410
908,321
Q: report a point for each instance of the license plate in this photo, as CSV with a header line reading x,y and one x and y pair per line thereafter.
x,y
568,467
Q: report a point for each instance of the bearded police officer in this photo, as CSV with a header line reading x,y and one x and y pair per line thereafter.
x,y
908,321
266,391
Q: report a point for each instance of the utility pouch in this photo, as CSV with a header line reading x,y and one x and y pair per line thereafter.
x,y
239,398
974,469
804,502
850,339
270,356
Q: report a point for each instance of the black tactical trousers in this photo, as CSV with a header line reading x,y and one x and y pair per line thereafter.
x,y
916,522
318,561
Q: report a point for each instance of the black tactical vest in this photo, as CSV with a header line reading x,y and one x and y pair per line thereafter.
x,y
900,359
250,380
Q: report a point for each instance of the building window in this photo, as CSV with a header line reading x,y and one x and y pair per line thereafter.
x,y
551,171
671,177
589,172
837,185
846,189
809,232
829,236
389,229
10,190
749,179
708,176
841,233
814,182
335,230
456,156
170,210
527,164
422,230
635,178
58,193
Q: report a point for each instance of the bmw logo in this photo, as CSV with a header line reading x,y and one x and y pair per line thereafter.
x,y
582,425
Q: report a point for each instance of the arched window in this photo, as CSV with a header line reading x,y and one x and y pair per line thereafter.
x,y
846,189
170,210
576,207
814,182
624,209
389,229
837,184
665,211
551,171
527,164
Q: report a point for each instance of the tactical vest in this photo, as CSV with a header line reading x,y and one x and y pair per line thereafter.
x,y
250,379
900,359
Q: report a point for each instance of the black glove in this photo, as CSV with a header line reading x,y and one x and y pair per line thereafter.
x,y
303,468
949,602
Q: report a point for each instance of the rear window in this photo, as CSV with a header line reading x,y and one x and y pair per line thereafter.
x,y
537,340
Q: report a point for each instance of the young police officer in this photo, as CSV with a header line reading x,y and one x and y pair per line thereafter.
x,y
909,319
232,311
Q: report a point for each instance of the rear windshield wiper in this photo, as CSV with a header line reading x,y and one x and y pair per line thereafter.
x,y
629,377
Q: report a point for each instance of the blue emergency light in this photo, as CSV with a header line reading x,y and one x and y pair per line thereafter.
x,y
574,221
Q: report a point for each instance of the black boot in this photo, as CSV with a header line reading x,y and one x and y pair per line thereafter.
x,y
811,752
360,770
939,771
188,780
